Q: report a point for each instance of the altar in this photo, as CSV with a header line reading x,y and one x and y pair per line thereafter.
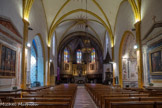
x,y
80,79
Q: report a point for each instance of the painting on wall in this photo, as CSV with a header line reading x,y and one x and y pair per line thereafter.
x,y
124,69
92,67
155,59
66,66
7,62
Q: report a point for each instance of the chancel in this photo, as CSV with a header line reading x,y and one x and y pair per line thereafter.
x,y
81,53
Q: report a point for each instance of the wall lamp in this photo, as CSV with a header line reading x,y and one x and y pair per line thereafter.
x,y
50,60
28,45
135,47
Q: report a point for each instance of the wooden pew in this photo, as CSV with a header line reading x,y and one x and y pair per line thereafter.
x,y
150,98
57,96
42,100
132,104
100,92
159,104
60,93
108,100
67,99
39,105
122,99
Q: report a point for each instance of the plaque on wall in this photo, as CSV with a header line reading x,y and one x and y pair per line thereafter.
x,y
155,60
7,62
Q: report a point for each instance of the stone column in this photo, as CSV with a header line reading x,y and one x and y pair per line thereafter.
x,y
24,55
145,70
48,72
139,54
112,49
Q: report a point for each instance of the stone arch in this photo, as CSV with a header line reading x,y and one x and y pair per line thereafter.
x,y
131,55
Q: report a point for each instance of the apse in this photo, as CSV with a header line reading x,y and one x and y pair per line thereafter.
x,y
81,56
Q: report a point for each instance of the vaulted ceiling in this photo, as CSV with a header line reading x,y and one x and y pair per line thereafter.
x,y
68,16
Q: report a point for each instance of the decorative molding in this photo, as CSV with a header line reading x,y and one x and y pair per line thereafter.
x,y
9,31
156,81
10,26
9,36
154,26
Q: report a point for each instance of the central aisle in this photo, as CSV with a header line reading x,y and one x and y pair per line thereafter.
x,y
83,99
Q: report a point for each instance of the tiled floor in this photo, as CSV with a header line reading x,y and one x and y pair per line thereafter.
x,y
83,99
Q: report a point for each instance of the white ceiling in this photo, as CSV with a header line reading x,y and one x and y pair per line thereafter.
x,y
76,21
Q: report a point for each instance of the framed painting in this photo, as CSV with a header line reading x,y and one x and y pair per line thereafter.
x,y
92,67
155,61
7,62
3,53
66,66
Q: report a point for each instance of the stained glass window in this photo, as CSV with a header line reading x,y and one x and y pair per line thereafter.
x,y
79,56
66,55
53,45
93,56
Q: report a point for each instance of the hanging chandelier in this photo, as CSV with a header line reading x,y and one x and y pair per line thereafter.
x,y
87,46
87,43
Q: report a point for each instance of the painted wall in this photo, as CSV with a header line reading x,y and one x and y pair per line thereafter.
x,y
12,10
129,62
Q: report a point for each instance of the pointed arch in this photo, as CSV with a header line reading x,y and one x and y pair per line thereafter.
x,y
126,33
44,55
38,42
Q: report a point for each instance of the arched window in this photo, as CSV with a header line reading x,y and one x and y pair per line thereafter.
x,y
79,56
37,63
93,56
53,44
66,55
106,45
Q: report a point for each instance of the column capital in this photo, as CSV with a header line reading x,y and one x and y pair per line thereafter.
x,y
25,22
137,23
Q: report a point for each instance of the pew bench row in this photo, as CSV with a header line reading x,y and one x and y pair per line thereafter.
x,y
108,97
61,96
